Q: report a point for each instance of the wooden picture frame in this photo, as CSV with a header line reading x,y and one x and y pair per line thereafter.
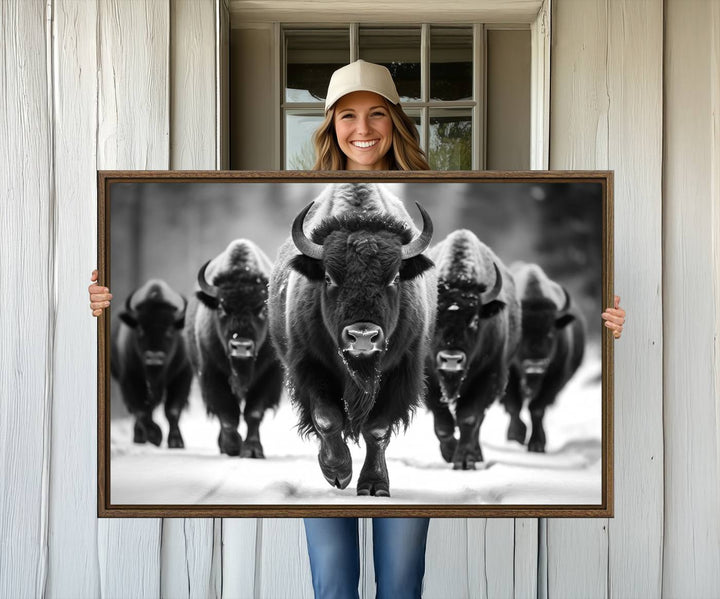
x,y
590,458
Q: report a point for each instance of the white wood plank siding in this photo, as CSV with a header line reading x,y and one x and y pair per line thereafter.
x,y
26,295
446,559
577,550
189,566
282,567
133,131
240,557
72,543
692,405
635,537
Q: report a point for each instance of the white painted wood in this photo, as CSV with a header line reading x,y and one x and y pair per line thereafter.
x,y
282,567
193,87
490,557
240,557
540,33
635,91
222,64
187,544
446,559
27,205
398,11
692,401
526,558
133,132
577,551
72,543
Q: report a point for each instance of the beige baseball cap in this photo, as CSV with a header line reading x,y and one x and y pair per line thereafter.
x,y
361,76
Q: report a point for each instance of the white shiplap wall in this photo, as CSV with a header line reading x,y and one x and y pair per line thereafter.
x,y
117,84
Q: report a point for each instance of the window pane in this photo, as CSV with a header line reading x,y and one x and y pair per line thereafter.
x,y
299,150
450,140
311,58
399,51
451,55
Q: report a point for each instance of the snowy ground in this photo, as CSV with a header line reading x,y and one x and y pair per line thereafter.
x,y
569,473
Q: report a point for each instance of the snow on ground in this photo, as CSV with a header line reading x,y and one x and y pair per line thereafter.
x,y
568,473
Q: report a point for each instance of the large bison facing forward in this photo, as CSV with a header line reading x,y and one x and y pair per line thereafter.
x,y
351,312
149,359
476,334
552,347
231,353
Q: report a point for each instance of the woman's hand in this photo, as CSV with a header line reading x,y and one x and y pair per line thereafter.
x,y
99,296
615,318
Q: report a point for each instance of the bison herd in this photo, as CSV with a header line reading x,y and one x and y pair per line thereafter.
x,y
364,322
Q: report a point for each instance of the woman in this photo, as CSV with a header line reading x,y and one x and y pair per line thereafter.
x,y
365,129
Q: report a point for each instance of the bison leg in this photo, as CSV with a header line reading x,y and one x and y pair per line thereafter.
x,y
545,397
264,394
334,456
219,399
483,389
443,420
513,400
145,429
373,478
177,397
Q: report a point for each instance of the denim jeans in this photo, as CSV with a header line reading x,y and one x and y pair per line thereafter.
x,y
398,551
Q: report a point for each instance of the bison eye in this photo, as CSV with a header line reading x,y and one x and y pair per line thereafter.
x,y
329,281
395,281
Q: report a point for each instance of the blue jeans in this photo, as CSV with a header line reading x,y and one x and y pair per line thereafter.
x,y
398,551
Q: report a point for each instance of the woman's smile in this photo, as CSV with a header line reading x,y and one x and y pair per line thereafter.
x,y
364,130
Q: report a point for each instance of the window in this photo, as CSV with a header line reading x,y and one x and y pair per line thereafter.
x,y
436,69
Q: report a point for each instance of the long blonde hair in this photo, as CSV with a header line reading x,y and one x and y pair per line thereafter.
x,y
405,154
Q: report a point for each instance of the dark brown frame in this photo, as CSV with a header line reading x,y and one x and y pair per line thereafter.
x,y
105,509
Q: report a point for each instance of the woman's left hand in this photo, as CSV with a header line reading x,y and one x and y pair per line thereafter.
x,y
615,318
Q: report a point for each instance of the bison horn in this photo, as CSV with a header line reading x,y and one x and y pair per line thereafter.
x,y
418,245
566,307
489,296
128,308
210,290
301,241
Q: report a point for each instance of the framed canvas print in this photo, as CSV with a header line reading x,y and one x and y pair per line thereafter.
x,y
355,344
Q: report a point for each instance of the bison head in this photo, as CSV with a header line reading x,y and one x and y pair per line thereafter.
x,y
541,323
464,307
156,319
238,299
360,263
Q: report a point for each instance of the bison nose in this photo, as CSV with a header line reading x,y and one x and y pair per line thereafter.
x,y
154,358
363,338
241,348
451,360
537,366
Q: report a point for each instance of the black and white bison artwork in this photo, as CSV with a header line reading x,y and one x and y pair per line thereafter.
x,y
476,335
149,360
351,313
551,350
231,353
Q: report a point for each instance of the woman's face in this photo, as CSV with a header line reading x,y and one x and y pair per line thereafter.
x,y
364,130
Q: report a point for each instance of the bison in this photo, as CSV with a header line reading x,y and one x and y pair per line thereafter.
x,y
231,354
551,350
351,313
476,335
149,359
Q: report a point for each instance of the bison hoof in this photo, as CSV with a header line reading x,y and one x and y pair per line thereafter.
x,y
373,488
466,460
252,449
139,434
230,442
536,446
154,434
338,475
175,441
447,449
517,431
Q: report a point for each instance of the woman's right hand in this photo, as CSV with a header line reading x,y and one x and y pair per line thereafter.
x,y
99,296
